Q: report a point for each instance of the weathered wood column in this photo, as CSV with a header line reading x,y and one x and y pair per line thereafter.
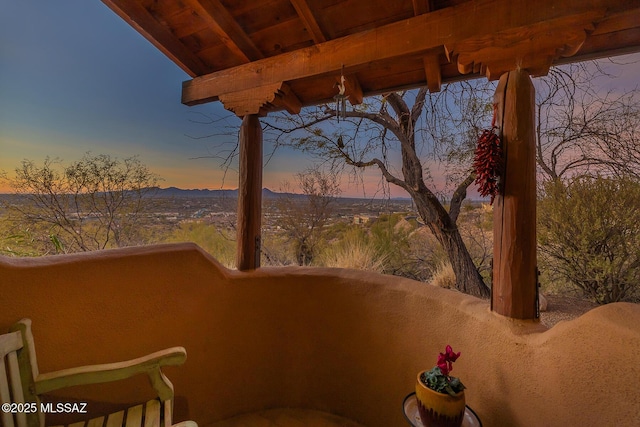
x,y
249,194
250,104
514,291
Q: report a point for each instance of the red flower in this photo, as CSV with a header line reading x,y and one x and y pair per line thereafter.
x,y
451,355
442,364
446,359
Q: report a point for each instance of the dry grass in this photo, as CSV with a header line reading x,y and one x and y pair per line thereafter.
x,y
444,276
353,253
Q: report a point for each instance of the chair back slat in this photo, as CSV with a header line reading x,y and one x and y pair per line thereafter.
x,y
16,386
5,395
28,367
10,383
134,416
152,413
168,415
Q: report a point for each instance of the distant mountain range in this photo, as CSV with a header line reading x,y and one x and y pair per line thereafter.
x,y
179,192
175,192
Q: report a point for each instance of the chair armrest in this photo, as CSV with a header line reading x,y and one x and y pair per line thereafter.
x,y
94,374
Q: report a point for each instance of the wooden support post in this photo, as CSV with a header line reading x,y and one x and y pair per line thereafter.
x,y
251,104
514,291
249,194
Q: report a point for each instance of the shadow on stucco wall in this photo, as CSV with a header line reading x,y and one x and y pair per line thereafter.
x,y
341,341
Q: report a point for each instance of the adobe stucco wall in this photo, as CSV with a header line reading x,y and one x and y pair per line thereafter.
x,y
340,341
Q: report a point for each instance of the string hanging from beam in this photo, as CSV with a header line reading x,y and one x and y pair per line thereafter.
x,y
341,98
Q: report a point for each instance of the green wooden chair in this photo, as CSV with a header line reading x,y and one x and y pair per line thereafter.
x,y
21,384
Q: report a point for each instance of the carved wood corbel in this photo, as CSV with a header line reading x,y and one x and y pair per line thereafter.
x,y
261,100
532,48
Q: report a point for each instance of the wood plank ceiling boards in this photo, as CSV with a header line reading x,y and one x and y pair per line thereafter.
x,y
382,45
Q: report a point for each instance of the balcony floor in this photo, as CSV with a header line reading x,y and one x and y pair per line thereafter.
x,y
287,418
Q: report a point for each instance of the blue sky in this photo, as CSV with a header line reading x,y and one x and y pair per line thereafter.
x,y
74,77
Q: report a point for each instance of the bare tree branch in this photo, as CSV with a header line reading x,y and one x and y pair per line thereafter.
x,y
581,129
383,133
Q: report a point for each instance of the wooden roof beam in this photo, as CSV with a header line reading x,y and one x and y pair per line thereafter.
x,y
421,6
227,29
160,36
451,27
533,47
310,22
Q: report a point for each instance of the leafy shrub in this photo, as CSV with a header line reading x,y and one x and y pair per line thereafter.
x,y
389,234
589,235
209,238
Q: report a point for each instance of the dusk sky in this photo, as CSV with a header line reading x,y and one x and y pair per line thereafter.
x,y
74,77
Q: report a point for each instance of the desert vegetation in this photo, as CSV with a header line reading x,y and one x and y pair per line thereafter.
x,y
588,235
588,174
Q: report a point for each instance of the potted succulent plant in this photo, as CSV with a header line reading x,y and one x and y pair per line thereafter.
x,y
440,396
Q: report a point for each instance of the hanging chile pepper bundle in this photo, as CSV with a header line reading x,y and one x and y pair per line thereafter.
x,y
487,161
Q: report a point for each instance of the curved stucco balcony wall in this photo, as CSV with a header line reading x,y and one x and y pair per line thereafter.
x,y
340,341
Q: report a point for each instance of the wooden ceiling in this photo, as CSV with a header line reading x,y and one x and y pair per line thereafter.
x,y
292,52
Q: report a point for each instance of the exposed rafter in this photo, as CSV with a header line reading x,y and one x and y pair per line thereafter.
x,y
478,47
432,72
618,34
310,23
386,44
159,35
421,6
227,29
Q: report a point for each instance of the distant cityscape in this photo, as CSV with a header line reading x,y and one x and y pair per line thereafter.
x,y
219,207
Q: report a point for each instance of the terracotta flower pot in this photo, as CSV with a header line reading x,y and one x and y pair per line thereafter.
x,y
439,409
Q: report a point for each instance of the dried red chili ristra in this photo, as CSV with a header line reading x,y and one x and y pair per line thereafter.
x,y
488,163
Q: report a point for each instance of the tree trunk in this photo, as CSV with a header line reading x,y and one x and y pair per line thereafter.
x,y
443,227
468,278
442,223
